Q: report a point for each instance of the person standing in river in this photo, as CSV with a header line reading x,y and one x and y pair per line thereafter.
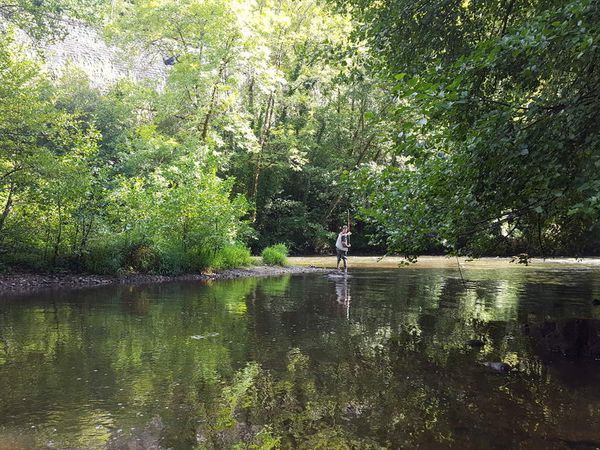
x,y
341,246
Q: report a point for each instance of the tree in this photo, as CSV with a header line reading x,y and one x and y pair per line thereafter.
x,y
44,156
275,95
88,181
45,20
497,143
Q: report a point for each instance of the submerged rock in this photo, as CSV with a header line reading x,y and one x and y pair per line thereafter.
x,y
146,439
229,437
596,302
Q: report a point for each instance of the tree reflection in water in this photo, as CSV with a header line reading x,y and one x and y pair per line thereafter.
x,y
282,362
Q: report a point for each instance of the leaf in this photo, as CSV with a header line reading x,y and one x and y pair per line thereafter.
x,y
369,115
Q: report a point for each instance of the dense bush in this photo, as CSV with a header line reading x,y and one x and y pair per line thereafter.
x,y
275,255
104,194
105,258
142,258
236,255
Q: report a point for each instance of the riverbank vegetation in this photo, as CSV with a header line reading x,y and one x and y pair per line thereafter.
x,y
497,126
275,255
468,128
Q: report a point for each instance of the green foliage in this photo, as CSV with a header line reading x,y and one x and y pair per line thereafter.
x,y
275,255
125,197
49,183
104,257
266,102
468,126
497,145
292,221
276,96
142,258
44,19
231,256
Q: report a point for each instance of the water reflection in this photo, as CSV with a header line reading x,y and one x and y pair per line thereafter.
x,y
342,292
378,359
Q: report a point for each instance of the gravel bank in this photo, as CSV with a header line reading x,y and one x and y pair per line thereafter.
x,y
16,283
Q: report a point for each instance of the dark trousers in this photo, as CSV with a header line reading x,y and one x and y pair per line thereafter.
x,y
341,255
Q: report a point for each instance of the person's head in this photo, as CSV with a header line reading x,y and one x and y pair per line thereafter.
x,y
345,229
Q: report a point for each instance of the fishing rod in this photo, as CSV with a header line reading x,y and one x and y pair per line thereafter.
x,y
348,236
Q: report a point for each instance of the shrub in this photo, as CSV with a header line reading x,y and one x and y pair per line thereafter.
x,y
275,255
142,258
104,257
174,260
231,256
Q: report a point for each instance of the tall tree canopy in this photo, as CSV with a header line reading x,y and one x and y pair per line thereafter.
x,y
497,122
465,126
266,106
278,95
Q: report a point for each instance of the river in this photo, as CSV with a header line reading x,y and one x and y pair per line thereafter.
x,y
504,357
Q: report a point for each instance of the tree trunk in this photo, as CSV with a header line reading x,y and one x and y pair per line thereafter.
x,y
251,101
507,14
58,237
211,106
87,229
262,142
7,206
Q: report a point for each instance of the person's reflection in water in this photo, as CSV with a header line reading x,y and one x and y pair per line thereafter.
x,y
342,292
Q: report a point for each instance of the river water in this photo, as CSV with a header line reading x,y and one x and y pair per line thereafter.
x,y
379,359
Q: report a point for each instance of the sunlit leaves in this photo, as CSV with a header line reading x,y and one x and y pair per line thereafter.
x,y
496,124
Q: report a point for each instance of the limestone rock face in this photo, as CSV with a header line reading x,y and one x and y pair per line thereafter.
x,y
84,47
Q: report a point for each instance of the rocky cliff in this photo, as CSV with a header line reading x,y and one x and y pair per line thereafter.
x,y
84,47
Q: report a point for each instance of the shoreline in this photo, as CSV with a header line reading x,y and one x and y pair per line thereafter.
x,y
448,262
24,282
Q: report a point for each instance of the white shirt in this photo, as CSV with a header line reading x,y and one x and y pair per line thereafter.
x,y
340,243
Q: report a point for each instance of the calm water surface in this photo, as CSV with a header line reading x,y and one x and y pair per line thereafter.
x,y
376,360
